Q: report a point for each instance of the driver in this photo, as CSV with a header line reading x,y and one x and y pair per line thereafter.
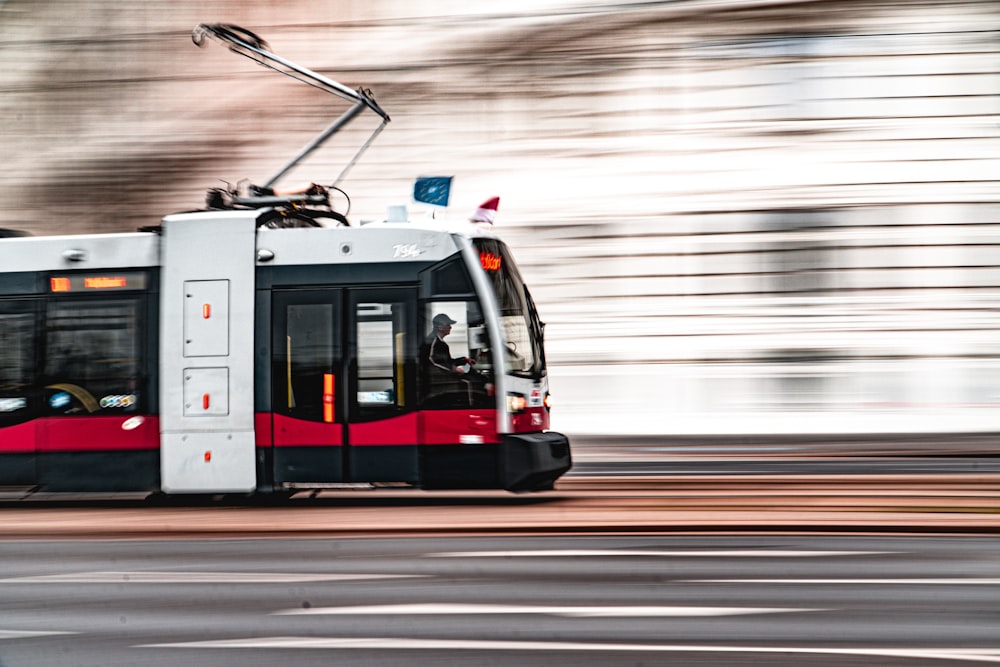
x,y
438,354
443,374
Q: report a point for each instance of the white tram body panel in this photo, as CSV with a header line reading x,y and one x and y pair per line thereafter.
x,y
77,253
374,242
207,352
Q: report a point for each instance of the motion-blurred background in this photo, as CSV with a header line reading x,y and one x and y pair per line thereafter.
x,y
737,216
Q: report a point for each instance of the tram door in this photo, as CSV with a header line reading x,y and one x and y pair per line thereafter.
x,y
342,386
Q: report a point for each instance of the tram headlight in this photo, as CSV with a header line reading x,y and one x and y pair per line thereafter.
x,y
516,403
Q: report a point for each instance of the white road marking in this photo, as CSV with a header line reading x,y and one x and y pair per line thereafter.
x,y
864,582
612,553
573,612
28,634
197,578
991,655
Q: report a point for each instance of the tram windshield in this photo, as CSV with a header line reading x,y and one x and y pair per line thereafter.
x,y
522,329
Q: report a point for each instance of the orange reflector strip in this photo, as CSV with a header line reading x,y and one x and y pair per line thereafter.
x,y
328,398
206,310
205,401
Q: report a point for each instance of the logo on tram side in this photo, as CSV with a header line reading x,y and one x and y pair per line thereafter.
x,y
132,423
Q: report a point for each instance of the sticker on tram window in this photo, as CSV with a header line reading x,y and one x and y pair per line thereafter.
x,y
380,397
103,282
60,400
13,404
118,401
489,261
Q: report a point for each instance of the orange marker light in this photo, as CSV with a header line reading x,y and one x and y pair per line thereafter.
x,y
208,456
205,401
206,310
328,395
59,284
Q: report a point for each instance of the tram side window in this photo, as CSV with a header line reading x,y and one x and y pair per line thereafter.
x,y
304,380
17,362
455,333
93,352
382,345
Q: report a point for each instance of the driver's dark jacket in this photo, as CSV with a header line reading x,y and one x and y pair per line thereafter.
x,y
438,366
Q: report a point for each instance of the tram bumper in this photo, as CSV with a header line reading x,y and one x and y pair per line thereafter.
x,y
534,461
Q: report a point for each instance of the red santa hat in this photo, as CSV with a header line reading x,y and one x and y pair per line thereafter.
x,y
487,211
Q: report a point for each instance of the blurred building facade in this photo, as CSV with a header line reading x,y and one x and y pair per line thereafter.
x,y
751,216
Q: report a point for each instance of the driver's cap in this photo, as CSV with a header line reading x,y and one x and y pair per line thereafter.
x,y
441,320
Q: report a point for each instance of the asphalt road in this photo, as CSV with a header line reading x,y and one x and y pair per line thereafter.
x,y
581,601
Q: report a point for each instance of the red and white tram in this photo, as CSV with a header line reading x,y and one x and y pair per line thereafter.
x,y
253,347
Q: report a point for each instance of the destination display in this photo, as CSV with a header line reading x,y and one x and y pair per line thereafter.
x,y
127,280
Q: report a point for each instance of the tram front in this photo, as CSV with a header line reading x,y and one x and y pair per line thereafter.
x,y
484,384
